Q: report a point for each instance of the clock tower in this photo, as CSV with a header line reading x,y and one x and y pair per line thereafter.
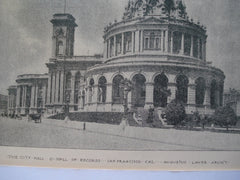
x,y
63,35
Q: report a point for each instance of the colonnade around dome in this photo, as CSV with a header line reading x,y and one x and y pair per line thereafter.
x,y
155,42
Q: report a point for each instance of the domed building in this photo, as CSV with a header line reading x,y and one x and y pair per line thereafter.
x,y
155,49
163,54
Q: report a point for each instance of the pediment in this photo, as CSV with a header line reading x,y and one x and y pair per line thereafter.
x,y
152,20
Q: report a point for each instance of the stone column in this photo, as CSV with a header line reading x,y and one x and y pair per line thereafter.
x,y
172,86
32,96
24,96
137,41
105,49
53,87
149,95
133,41
204,50
61,87
109,47
109,93
123,44
198,41
44,95
207,97
191,51
72,88
57,87
171,46
162,40
18,97
36,95
182,44
115,46
191,94
141,41
166,41
49,88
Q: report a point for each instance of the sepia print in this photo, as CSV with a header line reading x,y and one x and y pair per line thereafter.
x,y
129,79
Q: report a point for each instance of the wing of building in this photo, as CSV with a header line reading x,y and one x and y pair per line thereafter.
x,y
155,47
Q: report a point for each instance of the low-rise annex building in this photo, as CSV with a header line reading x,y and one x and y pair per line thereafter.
x,y
162,52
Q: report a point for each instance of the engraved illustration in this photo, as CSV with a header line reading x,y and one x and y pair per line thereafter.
x,y
153,80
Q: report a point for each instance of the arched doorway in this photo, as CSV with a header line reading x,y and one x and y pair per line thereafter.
x,y
160,94
117,91
213,94
182,89
200,91
139,90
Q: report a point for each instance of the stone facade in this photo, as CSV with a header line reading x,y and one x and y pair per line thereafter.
x,y
232,98
159,50
30,93
3,103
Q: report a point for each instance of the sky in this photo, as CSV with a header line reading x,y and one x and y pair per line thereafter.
x,y
25,33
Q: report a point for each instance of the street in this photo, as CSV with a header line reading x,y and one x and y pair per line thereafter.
x,y
70,135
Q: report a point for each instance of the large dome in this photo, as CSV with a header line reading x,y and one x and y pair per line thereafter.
x,y
158,48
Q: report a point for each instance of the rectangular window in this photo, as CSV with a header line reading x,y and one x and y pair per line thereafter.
x,y
195,46
157,43
146,43
187,44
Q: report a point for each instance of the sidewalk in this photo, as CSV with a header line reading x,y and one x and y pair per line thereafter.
x,y
198,140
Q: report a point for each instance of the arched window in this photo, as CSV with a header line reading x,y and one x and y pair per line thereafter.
x,y
182,89
90,90
76,87
102,89
139,90
200,91
117,91
213,96
160,93
60,48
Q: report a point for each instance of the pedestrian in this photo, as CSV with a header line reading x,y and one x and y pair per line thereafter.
x,y
84,126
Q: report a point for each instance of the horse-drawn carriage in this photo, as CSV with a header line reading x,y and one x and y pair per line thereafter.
x,y
35,117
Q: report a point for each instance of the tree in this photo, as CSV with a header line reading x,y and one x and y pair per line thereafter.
x,y
225,117
175,113
169,6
